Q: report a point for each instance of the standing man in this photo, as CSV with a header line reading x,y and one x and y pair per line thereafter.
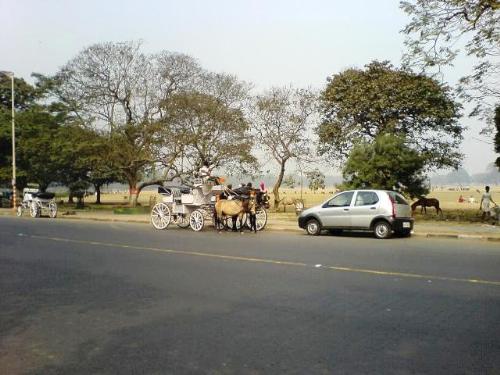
x,y
485,203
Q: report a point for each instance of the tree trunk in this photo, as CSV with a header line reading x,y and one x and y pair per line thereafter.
x,y
142,186
132,193
134,196
98,193
277,185
70,197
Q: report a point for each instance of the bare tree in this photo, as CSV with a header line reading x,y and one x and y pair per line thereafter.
x,y
282,119
118,89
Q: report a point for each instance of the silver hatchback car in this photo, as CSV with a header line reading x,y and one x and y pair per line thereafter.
x,y
383,212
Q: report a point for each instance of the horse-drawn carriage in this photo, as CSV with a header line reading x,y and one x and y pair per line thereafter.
x,y
37,203
194,207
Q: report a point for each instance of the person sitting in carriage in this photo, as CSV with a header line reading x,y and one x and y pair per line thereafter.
x,y
227,193
244,190
205,171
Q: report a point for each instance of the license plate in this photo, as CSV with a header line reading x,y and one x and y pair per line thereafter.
x,y
406,224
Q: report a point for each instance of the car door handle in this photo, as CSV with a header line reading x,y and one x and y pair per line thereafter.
x,y
373,208
346,209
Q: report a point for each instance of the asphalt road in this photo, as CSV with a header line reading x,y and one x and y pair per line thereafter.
x,y
107,298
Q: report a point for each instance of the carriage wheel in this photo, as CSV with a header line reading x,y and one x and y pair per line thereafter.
x,y
182,221
260,219
19,210
196,220
34,210
160,216
52,210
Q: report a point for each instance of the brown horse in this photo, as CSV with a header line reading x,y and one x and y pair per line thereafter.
x,y
427,202
234,208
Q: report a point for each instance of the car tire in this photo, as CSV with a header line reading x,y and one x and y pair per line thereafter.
x,y
313,227
382,229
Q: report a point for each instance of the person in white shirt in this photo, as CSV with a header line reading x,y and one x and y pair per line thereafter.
x,y
485,203
205,171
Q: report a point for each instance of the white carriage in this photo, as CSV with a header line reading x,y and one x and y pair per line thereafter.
x,y
194,208
185,207
37,203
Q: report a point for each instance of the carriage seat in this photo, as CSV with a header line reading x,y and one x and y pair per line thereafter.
x,y
43,195
164,191
173,190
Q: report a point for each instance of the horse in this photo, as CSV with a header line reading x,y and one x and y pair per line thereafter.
x,y
262,199
427,202
235,208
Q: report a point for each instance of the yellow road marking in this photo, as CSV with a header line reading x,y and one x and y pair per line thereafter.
x,y
271,261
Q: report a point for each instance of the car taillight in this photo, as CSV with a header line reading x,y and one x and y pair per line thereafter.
x,y
393,202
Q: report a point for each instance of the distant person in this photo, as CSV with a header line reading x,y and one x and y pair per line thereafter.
x,y
485,203
461,199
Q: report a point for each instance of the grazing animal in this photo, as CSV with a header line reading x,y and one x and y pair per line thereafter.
x,y
427,202
289,201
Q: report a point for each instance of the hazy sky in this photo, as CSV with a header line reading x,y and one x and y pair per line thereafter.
x,y
268,43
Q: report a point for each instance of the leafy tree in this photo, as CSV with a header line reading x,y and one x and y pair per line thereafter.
x,y
25,97
282,119
83,159
35,148
37,123
438,28
207,130
316,179
25,94
386,163
358,105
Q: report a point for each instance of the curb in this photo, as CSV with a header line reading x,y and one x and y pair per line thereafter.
x,y
458,236
285,229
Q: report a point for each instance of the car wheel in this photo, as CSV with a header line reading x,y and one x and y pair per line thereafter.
x,y
313,227
382,229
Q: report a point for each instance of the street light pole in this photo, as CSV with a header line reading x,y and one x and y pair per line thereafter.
x,y
11,75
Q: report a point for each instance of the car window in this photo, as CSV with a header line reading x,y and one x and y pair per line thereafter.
x,y
365,198
398,198
341,200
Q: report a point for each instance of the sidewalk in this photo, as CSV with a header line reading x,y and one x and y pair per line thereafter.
x,y
426,229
